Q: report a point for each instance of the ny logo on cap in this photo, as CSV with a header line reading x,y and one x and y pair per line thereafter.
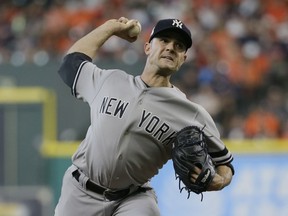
x,y
177,23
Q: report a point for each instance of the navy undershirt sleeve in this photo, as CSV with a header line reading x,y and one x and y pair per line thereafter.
x,y
71,66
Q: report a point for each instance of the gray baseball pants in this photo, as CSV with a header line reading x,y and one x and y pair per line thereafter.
x,y
76,200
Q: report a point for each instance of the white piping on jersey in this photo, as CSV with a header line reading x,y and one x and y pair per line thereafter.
x,y
76,78
223,159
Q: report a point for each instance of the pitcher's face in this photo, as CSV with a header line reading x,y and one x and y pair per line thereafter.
x,y
167,52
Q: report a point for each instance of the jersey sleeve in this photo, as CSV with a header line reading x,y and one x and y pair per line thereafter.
x,y
217,149
81,75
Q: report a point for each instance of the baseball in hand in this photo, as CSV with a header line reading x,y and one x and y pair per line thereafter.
x,y
135,31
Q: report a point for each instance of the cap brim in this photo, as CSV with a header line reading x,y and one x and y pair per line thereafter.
x,y
186,38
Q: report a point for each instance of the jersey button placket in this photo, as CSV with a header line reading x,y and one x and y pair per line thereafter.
x,y
143,94
120,158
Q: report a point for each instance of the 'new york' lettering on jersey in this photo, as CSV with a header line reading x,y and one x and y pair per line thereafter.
x,y
113,106
152,124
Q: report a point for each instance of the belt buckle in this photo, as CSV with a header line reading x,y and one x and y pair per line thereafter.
x,y
115,195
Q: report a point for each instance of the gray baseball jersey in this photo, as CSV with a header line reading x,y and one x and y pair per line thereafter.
x,y
132,125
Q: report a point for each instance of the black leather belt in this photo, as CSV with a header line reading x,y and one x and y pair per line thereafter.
x,y
109,194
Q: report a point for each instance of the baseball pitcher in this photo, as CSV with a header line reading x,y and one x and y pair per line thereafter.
x,y
134,128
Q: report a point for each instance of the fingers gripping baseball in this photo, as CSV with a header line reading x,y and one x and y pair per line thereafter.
x,y
136,28
129,29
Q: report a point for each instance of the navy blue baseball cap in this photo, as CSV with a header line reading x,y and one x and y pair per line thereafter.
x,y
173,25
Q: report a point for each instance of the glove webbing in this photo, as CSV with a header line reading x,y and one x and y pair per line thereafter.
x,y
186,188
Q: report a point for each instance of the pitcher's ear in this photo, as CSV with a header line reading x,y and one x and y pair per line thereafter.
x,y
147,47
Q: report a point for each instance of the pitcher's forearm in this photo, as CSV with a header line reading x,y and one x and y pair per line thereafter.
x,y
90,43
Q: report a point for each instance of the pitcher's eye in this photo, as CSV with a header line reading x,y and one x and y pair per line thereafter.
x,y
180,47
164,40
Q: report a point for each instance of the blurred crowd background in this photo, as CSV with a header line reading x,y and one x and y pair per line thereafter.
x,y
237,67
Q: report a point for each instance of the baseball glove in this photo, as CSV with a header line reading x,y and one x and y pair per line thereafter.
x,y
190,150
